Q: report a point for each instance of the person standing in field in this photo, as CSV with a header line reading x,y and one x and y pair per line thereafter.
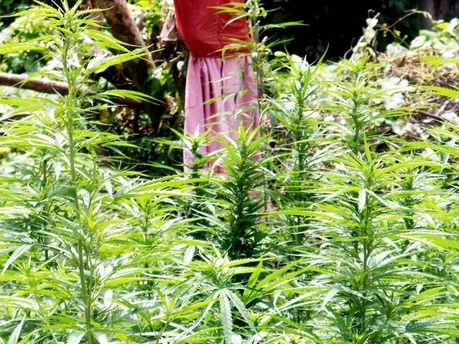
x,y
221,93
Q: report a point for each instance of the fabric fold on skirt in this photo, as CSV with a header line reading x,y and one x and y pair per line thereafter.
x,y
221,94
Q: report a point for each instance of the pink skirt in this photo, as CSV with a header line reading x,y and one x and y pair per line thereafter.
x,y
221,94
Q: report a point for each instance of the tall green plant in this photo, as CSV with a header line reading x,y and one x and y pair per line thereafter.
x,y
360,246
61,217
368,205
296,135
242,196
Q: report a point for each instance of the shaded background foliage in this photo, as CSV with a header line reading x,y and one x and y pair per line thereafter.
x,y
332,25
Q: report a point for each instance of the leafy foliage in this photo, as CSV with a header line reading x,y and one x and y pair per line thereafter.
x,y
324,229
334,27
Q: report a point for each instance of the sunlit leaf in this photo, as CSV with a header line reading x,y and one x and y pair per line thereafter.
x,y
19,47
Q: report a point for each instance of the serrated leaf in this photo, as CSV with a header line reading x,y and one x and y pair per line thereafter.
x,y
435,240
279,273
189,254
236,301
102,338
443,91
206,335
19,47
292,325
436,60
134,95
105,41
209,305
100,63
226,316
18,101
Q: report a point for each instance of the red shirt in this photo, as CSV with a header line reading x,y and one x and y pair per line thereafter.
x,y
206,30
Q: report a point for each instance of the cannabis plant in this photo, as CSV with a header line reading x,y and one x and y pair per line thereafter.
x,y
69,231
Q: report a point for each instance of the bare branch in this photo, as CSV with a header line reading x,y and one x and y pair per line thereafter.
x,y
53,87
39,85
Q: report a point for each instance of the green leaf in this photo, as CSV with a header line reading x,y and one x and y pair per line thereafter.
x,y
436,60
330,295
443,91
105,41
206,335
19,47
226,316
134,95
14,337
253,278
236,301
75,337
292,326
436,240
19,251
100,63
362,199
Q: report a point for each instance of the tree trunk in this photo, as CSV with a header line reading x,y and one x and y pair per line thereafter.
x,y
124,28
439,9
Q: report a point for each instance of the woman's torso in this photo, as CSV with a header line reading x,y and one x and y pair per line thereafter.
x,y
206,30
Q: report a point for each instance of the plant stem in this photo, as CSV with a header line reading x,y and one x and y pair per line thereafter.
x,y
82,262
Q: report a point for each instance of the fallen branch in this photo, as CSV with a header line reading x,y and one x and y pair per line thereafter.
x,y
39,85
54,87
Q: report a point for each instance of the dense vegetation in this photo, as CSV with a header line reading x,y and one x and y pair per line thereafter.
x,y
345,231
332,26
